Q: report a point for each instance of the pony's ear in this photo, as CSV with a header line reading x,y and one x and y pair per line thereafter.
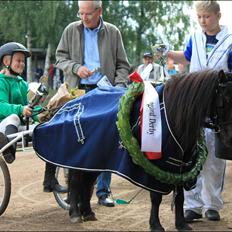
x,y
221,76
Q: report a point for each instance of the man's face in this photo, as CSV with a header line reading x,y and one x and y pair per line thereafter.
x,y
89,15
209,21
147,60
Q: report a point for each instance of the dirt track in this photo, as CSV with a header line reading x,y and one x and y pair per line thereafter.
x,y
32,210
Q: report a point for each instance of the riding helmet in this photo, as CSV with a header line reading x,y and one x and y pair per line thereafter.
x,y
12,47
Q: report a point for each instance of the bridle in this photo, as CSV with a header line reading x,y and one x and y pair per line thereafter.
x,y
222,101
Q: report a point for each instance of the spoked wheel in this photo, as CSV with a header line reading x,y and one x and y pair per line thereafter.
x,y
62,198
5,186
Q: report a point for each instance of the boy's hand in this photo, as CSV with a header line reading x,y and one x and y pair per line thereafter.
x,y
27,111
160,50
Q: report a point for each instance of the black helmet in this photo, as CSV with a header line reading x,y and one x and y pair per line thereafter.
x,y
12,47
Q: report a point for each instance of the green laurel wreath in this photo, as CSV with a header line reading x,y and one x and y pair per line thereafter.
x,y
132,145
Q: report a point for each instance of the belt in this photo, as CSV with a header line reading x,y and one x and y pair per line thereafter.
x,y
88,87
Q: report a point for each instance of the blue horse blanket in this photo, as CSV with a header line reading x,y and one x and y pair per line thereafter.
x,y
83,135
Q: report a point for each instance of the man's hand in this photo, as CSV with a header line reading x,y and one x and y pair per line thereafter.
x,y
84,72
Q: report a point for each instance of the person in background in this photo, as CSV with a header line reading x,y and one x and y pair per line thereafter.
x,y
182,68
51,72
156,73
57,78
90,49
38,73
209,48
171,67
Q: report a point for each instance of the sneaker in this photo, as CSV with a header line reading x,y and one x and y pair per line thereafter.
x,y
190,215
8,154
212,215
106,201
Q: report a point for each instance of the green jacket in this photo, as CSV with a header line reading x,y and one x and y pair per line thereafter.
x,y
13,96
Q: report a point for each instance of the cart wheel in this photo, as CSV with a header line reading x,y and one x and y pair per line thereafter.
x,y
62,198
5,186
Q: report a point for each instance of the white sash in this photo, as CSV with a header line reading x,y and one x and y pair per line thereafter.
x,y
146,72
151,131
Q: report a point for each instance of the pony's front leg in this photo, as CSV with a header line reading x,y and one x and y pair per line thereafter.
x,y
75,179
180,223
156,199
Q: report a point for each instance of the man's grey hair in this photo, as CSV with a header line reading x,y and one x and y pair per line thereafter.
x,y
96,3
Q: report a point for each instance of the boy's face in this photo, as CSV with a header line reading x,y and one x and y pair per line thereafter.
x,y
209,21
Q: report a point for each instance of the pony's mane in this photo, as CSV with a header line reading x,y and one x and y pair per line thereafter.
x,y
188,98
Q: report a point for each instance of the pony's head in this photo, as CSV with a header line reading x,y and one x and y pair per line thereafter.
x,y
223,113
191,98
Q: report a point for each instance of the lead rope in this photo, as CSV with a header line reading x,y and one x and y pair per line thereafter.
x,y
124,202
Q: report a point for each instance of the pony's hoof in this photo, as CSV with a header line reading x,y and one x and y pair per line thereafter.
x,y
90,217
75,216
183,227
75,219
157,229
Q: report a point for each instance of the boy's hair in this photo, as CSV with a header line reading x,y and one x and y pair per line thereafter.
x,y
210,6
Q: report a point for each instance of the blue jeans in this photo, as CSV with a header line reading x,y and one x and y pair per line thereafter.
x,y
103,184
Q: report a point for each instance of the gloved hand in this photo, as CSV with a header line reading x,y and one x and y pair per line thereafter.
x,y
160,50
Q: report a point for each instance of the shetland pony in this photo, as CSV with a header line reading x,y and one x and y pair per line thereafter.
x,y
190,99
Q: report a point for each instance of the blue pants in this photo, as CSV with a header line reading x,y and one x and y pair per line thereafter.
x,y
103,184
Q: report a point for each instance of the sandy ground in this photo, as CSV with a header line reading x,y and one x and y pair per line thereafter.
x,y
32,210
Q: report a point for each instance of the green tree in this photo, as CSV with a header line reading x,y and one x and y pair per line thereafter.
x,y
39,24
52,18
144,23
36,24
17,24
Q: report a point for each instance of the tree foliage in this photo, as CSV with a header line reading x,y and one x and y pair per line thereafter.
x,y
142,23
